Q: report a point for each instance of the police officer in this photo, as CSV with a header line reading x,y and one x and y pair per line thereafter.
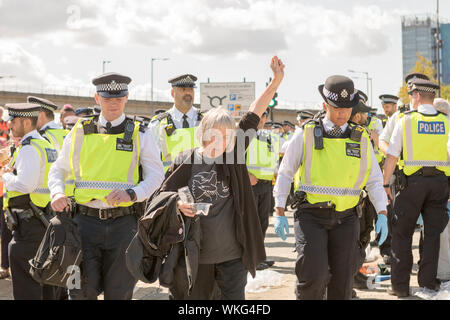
x,y
421,138
26,198
326,225
47,128
262,159
175,129
116,165
303,116
385,249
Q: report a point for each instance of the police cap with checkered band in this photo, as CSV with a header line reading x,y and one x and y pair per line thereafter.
x,y
339,92
112,85
422,85
183,81
23,110
44,103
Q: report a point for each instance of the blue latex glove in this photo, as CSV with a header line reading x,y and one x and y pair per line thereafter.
x,y
281,224
420,220
382,227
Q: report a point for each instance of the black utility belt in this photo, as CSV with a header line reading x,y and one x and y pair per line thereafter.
x,y
428,172
323,212
105,214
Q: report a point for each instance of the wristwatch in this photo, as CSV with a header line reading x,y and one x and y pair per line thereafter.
x,y
132,194
385,185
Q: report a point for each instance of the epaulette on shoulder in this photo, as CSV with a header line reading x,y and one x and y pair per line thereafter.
x,y
88,119
142,128
310,121
160,117
27,141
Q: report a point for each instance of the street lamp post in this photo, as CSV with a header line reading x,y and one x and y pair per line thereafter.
x,y
151,92
438,47
103,65
367,85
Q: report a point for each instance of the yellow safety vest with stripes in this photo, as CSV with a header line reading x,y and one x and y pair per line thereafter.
x,y
173,141
56,138
101,163
379,155
425,140
262,157
338,172
41,195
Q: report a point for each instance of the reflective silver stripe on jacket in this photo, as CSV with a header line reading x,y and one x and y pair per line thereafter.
x,y
42,190
306,185
69,182
43,163
103,185
55,140
167,163
426,163
333,191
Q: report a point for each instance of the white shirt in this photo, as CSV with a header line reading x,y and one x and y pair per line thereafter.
x,y
50,125
177,117
378,126
28,168
149,158
292,161
396,142
389,128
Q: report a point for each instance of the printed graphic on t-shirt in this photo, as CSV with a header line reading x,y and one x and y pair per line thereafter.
x,y
206,189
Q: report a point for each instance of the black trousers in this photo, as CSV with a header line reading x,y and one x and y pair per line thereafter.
x,y
6,237
326,243
262,192
221,281
426,195
26,240
103,268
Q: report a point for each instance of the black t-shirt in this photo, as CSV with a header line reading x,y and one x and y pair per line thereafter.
x,y
218,242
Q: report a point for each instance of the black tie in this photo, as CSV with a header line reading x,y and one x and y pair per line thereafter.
x,y
185,122
108,127
336,131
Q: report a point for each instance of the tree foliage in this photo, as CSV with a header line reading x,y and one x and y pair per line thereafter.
x,y
425,66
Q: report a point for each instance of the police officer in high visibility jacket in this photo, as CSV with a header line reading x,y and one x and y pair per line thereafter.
x,y
47,128
116,166
175,129
26,197
262,159
421,137
337,162
50,131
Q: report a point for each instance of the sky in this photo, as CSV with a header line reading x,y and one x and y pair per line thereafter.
x,y
60,45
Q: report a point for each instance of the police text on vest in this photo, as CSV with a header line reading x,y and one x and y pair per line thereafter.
x,y
433,127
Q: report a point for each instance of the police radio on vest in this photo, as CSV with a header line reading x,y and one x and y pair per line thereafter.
x,y
435,127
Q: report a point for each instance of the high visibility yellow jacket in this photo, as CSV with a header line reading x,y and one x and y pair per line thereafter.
x,y
338,172
101,163
41,195
425,140
262,157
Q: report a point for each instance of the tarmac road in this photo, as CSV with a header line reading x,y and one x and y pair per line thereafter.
x,y
282,253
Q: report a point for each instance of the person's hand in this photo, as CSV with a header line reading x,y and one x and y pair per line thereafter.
x,y
60,203
281,224
6,169
382,227
116,197
185,208
277,67
253,179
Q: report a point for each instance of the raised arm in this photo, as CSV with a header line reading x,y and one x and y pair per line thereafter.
x,y
260,105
